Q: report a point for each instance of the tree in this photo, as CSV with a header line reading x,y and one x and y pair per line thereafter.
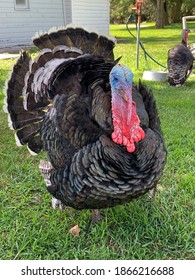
x,y
161,11
149,10
175,11
119,10
171,11
188,7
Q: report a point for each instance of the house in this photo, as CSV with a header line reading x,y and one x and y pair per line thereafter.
x,y
21,19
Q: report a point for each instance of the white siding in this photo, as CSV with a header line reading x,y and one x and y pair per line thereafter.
x,y
92,14
68,11
17,27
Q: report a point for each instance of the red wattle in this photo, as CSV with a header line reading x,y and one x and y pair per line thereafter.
x,y
127,132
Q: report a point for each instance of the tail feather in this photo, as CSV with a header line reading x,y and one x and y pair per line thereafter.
x,y
87,42
82,39
30,104
38,78
61,37
66,52
14,100
44,56
43,41
25,122
105,47
27,133
39,82
35,145
20,118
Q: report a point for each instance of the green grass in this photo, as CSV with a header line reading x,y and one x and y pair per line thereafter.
x,y
165,229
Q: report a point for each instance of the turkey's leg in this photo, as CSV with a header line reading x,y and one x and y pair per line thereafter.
x,y
96,217
152,193
45,169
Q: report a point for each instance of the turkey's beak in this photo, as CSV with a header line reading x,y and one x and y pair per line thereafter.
x,y
124,94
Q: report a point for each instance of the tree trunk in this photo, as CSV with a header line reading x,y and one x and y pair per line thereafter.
x,y
175,15
161,14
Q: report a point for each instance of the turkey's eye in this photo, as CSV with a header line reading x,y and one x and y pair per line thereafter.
x,y
116,79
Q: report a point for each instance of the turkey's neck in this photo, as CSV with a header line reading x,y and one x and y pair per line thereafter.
x,y
125,121
122,112
184,38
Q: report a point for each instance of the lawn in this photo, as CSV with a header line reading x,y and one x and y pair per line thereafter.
x,y
163,229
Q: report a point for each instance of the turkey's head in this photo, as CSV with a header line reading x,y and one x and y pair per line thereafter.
x,y
184,35
126,122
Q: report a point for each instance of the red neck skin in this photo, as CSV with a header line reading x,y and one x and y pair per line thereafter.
x,y
126,122
185,37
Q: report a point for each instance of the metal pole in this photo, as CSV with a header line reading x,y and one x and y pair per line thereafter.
x,y
138,4
137,43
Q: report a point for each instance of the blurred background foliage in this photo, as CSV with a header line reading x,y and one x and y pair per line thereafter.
x,y
174,10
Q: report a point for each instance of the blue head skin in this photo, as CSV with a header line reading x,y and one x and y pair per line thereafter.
x,y
121,81
121,86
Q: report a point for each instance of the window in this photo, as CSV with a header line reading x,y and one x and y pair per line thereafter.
x,y
22,4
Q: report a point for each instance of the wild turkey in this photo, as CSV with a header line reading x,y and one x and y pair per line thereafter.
x,y
180,62
74,102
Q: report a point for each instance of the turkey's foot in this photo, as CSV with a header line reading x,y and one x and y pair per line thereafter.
x,y
96,217
152,193
56,203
